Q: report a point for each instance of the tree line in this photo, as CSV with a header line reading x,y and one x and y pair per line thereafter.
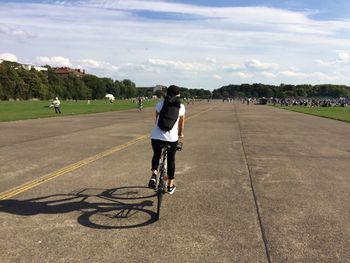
x,y
17,82
282,91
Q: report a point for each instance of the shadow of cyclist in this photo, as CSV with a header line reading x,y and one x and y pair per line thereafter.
x,y
94,204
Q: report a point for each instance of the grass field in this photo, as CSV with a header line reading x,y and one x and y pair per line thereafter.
x,y
337,113
22,110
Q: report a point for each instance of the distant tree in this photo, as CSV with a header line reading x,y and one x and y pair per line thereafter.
x,y
110,86
77,88
96,86
44,84
129,88
57,87
8,79
19,83
2,92
185,93
301,91
217,94
117,88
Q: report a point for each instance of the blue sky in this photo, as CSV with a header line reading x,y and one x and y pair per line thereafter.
x,y
195,44
327,9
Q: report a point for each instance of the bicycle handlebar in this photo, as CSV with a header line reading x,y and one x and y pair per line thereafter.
x,y
179,146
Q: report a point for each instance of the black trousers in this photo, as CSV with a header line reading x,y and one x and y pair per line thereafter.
x,y
157,146
57,109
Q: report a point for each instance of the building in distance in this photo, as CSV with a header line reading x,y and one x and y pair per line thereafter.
x,y
25,66
65,71
30,66
159,87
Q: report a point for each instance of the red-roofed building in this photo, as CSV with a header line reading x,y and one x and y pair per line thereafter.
x,y
65,71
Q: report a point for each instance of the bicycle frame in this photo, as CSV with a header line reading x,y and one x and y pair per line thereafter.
x,y
163,169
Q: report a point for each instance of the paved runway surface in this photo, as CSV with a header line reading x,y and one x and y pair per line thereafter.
x,y
255,184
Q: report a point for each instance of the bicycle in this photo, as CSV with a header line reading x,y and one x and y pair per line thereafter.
x,y
163,178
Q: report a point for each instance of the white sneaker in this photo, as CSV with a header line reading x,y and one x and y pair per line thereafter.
x,y
171,189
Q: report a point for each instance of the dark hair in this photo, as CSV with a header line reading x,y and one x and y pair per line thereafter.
x,y
173,91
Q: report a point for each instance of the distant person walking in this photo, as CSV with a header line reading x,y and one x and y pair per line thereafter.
x,y
140,104
57,104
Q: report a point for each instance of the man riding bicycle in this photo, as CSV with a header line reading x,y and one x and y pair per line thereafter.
x,y
170,122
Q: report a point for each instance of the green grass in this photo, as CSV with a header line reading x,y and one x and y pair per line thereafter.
x,y
22,110
336,113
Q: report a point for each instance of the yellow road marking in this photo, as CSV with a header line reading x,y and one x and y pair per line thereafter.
x,y
24,187
67,169
199,113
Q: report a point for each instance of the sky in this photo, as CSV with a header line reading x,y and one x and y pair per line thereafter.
x,y
195,44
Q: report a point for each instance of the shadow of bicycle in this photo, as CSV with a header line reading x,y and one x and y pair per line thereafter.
x,y
117,208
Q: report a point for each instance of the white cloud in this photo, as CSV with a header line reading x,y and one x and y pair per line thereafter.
x,y
258,16
61,2
215,76
211,60
305,75
54,61
93,63
343,56
15,31
110,39
233,67
178,65
267,74
256,65
8,57
213,12
290,73
243,75
134,67
321,62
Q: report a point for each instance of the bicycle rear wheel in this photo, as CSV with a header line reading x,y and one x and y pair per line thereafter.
x,y
160,191
159,201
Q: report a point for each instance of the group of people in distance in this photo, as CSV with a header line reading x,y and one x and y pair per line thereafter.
x,y
313,102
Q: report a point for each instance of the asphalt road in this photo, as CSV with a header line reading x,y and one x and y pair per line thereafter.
x,y
255,184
